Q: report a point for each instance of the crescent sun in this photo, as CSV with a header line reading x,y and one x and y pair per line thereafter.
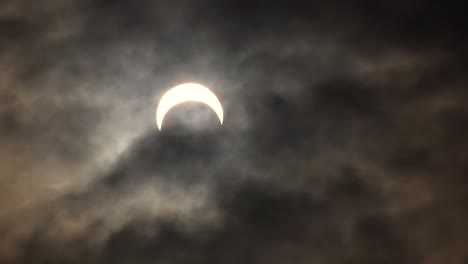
x,y
184,93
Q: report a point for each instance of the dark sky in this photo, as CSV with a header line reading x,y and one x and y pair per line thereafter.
x,y
344,137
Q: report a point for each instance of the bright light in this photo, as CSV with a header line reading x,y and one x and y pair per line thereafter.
x,y
184,93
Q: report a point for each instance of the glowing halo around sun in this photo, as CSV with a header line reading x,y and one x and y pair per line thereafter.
x,y
184,93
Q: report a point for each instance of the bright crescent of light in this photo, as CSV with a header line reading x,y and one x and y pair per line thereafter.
x,y
184,93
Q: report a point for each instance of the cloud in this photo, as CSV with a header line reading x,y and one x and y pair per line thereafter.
x,y
342,142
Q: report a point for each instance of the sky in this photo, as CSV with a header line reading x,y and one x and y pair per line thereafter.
x,y
344,134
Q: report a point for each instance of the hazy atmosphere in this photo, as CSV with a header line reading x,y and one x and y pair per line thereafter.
x,y
344,137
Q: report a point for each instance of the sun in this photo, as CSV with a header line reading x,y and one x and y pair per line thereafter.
x,y
185,93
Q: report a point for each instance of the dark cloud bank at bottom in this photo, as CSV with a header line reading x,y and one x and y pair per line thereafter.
x,y
263,221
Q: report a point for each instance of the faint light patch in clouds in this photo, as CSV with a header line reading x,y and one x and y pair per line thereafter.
x,y
400,68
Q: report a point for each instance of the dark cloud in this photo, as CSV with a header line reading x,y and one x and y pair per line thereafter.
x,y
343,139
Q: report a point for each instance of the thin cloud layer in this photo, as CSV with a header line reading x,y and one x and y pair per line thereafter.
x,y
343,139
